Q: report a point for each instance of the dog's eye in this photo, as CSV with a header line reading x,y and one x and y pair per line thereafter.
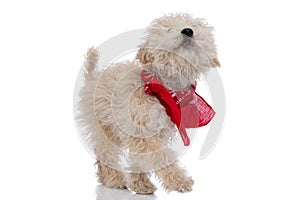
x,y
169,30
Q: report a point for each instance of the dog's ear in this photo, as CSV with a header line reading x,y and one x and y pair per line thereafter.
x,y
215,62
144,56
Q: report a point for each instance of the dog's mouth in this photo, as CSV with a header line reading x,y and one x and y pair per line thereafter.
x,y
187,42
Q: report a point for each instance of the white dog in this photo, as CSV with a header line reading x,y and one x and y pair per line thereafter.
x,y
123,122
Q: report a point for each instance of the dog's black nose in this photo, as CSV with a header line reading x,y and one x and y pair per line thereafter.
x,y
188,32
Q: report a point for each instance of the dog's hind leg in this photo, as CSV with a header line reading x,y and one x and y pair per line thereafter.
x,y
107,150
110,177
100,137
140,183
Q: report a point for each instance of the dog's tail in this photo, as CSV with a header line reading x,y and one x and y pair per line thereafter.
x,y
85,118
90,64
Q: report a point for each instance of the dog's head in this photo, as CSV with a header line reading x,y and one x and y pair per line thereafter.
x,y
180,42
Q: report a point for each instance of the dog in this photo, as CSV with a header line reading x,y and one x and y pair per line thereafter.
x,y
127,126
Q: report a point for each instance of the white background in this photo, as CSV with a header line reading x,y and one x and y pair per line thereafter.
x,y
41,51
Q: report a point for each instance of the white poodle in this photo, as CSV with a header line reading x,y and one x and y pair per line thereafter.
x,y
130,128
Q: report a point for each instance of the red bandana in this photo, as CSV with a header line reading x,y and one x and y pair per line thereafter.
x,y
186,108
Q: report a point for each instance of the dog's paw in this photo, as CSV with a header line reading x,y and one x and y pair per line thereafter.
x,y
143,187
186,186
179,185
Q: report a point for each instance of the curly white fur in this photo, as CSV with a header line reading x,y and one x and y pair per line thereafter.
x,y
122,121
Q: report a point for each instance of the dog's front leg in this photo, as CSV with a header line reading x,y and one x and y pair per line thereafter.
x,y
174,178
157,157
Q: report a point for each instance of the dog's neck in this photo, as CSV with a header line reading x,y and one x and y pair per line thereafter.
x,y
170,78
